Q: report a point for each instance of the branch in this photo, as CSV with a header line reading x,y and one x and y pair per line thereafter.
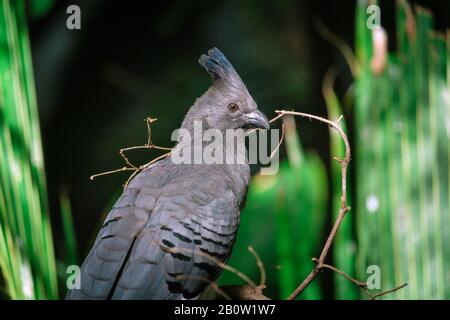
x,y
373,297
137,168
344,208
346,276
362,285
259,263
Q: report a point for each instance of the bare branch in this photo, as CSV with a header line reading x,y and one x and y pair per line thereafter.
x,y
373,297
145,166
362,285
109,172
260,265
344,208
279,143
346,276
132,167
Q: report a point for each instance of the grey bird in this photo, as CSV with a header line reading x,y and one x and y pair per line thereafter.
x,y
174,222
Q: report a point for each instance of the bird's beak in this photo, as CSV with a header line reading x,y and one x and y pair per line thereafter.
x,y
257,119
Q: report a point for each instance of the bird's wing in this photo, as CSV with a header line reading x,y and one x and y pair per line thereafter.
x,y
177,253
162,238
114,242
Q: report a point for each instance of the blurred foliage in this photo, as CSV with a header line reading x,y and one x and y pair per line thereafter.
x,y
39,8
402,155
70,254
27,259
26,255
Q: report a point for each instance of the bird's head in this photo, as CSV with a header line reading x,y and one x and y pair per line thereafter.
x,y
227,104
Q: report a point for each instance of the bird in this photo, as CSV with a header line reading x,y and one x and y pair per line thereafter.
x,y
175,223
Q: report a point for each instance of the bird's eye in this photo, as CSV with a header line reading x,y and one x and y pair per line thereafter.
x,y
233,107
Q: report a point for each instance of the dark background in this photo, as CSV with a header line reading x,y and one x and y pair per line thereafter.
x,y
133,59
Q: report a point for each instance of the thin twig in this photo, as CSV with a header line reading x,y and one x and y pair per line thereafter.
x,y
143,167
124,157
260,264
346,276
276,118
132,167
272,154
109,172
148,164
362,285
373,297
344,208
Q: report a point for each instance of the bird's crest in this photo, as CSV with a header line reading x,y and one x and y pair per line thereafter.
x,y
219,67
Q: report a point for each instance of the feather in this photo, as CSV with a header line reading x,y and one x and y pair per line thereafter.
x,y
219,67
